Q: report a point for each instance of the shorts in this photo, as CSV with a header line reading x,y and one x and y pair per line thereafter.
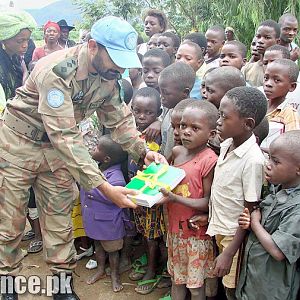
x,y
112,246
229,280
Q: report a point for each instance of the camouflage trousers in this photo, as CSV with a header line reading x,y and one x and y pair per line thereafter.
x,y
55,192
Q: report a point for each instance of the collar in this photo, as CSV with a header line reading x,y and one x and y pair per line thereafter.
x,y
280,107
241,150
112,169
208,61
82,70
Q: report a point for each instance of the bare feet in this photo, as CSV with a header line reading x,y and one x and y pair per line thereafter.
x,y
100,274
116,283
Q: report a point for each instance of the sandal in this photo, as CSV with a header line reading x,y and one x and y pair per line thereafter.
x,y
145,287
35,247
142,261
137,273
167,296
29,235
165,280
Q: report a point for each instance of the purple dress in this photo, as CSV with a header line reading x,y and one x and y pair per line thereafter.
x,y
102,219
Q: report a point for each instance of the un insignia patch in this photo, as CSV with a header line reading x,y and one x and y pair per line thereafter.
x,y
55,98
131,40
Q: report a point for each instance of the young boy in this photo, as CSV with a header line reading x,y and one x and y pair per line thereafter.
x,y
270,270
280,78
233,53
215,37
103,220
267,35
175,84
191,54
153,41
154,61
221,80
255,55
238,177
169,42
275,52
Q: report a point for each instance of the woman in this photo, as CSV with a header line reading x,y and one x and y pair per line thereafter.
x,y
155,21
16,28
51,36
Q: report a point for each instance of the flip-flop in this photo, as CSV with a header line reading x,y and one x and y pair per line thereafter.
x,y
151,283
137,273
35,247
165,280
142,261
167,296
29,235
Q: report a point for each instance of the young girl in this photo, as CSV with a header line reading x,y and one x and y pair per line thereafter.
x,y
190,250
103,220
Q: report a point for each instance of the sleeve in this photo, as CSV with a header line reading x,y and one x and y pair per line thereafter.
x,y
36,55
115,115
252,179
287,236
208,164
58,119
291,120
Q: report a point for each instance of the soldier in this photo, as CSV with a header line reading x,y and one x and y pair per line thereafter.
x,y
41,145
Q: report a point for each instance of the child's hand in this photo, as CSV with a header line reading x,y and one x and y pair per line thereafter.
x,y
152,156
244,219
222,265
256,216
152,132
168,196
198,221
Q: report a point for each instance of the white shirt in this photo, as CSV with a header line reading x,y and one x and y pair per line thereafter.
x,y
238,178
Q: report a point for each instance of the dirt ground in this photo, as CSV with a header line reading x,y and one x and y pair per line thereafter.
x,y
33,264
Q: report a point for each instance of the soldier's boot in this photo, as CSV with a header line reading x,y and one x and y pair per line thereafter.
x,y
63,287
8,291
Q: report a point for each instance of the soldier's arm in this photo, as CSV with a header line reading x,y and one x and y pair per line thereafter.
x,y
115,115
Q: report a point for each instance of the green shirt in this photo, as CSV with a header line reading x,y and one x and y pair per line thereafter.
x,y
262,277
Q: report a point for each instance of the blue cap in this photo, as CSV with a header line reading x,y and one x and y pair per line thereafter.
x,y
120,40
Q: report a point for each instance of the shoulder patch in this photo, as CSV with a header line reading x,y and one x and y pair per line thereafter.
x,y
65,67
55,98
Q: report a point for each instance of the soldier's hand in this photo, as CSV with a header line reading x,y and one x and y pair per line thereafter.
x,y
118,194
152,132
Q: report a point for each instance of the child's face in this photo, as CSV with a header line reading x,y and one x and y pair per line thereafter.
x,y
166,43
265,37
230,56
99,154
188,55
253,48
134,73
214,42
213,91
203,89
145,111
153,42
289,30
270,56
152,66
194,128
170,93
277,82
175,122
280,168
230,124
152,26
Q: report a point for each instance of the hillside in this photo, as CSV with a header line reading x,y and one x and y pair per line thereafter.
x,y
63,9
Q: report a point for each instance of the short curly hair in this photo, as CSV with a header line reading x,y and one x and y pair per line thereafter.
x,y
161,17
249,102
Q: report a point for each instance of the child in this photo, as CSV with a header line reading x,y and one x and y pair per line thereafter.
x,y
233,53
175,83
190,252
136,77
104,221
238,177
215,37
191,54
270,270
280,78
153,41
176,118
275,52
221,80
154,61
255,55
267,35
146,108
169,42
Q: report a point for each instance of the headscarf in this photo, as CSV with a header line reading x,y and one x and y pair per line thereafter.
x,y
13,21
51,24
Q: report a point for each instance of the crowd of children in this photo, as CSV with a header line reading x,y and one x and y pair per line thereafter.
x,y
234,216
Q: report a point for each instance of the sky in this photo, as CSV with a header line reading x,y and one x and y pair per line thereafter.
x,y
27,4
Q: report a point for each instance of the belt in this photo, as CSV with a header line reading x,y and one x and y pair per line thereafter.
x,y
24,128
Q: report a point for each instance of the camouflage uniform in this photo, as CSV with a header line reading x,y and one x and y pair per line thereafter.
x,y
41,146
